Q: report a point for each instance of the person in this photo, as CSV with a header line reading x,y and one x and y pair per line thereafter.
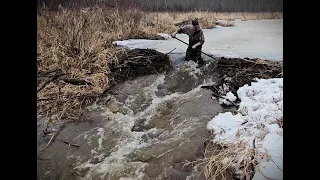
x,y
196,40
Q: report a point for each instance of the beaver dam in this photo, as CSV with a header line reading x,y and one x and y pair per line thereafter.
x,y
151,121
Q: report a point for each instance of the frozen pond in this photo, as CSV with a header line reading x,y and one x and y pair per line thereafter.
x,y
253,38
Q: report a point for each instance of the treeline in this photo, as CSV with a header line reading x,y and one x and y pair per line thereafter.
x,y
172,5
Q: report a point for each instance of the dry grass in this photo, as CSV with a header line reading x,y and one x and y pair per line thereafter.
x,y
227,23
208,19
78,45
224,160
248,16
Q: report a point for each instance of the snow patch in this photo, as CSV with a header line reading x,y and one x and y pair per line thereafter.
x,y
256,121
272,165
227,99
137,43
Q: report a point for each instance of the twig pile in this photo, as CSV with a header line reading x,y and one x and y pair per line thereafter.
x,y
137,62
234,73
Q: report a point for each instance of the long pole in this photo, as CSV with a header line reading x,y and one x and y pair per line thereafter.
x,y
188,45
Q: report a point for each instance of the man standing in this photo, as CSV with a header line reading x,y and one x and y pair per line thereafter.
x,y
196,40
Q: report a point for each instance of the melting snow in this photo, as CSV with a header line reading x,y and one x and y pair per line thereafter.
x,y
259,112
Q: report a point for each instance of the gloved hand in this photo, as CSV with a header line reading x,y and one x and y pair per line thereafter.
x,y
173,35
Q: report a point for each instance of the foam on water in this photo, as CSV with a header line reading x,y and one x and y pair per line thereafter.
x,y
129,141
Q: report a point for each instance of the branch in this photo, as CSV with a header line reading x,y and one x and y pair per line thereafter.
x,y
68,142
54,136
171,51
77,82
52,79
